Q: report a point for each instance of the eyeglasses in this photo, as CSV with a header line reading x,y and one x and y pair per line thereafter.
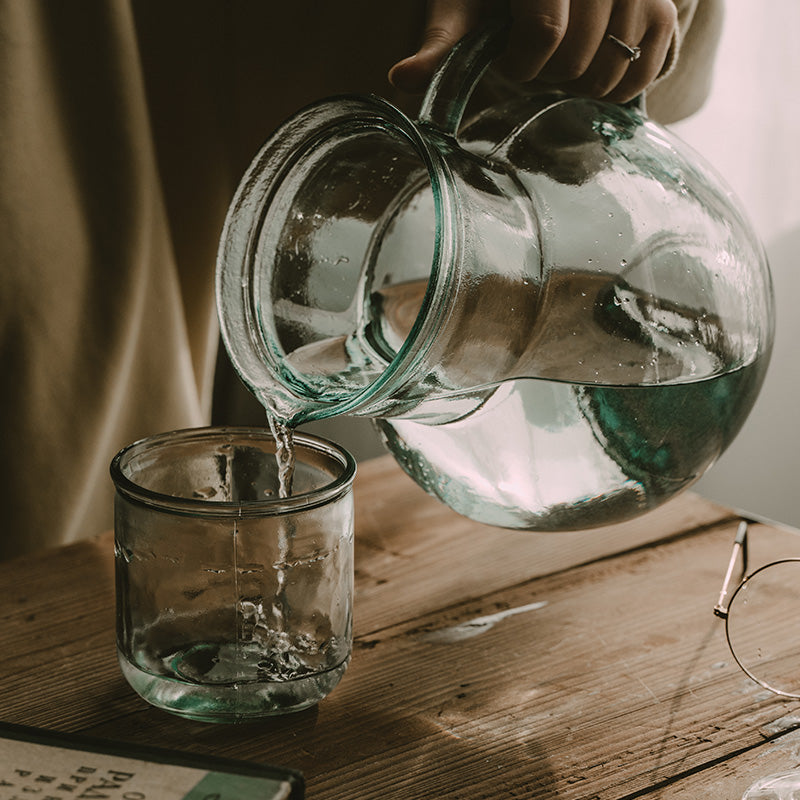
x,y
762,619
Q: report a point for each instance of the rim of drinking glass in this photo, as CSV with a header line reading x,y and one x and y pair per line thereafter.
x,y
747,671
200,507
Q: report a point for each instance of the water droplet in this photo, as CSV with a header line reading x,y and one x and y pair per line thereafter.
x,y
623,262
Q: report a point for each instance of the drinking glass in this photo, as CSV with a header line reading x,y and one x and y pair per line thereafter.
x,y
781,786
233,601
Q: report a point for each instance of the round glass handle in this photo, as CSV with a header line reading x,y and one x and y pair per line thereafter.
x,y
453,83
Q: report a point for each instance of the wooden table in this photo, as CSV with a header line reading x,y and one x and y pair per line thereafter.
x,y
487,663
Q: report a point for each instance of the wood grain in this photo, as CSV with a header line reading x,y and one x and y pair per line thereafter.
x,y
487,663
413,554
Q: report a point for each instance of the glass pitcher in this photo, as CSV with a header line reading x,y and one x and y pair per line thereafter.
x,y
557,315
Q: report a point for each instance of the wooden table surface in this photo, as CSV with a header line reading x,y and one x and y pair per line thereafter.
x,y
487,663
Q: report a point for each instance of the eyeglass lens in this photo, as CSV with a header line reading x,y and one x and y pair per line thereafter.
x,y
764,626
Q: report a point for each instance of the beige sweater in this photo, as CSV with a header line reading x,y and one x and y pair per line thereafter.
x,y
124,127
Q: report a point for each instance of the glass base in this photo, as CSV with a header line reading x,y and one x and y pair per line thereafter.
x,y
230,702
782,786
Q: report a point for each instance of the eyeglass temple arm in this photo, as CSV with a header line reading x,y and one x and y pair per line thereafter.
x,y
739,545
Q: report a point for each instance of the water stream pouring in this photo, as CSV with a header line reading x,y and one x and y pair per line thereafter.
x,y
557,314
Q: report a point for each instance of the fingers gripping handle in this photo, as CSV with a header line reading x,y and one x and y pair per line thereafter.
x,y
454,81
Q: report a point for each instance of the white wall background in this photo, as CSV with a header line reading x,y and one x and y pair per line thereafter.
x,y
750,130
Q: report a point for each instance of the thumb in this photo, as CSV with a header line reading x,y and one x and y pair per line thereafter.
x,y
447,21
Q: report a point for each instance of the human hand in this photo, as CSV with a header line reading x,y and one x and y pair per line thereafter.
x,y
563,43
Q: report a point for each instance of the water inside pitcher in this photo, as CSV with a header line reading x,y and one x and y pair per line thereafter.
x,y
557,314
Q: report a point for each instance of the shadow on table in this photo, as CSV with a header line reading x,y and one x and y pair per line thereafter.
x,y
339,749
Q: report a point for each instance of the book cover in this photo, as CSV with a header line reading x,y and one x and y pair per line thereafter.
x,y
56,766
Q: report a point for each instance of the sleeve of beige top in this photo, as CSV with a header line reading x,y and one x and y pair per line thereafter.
x,y
686,80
